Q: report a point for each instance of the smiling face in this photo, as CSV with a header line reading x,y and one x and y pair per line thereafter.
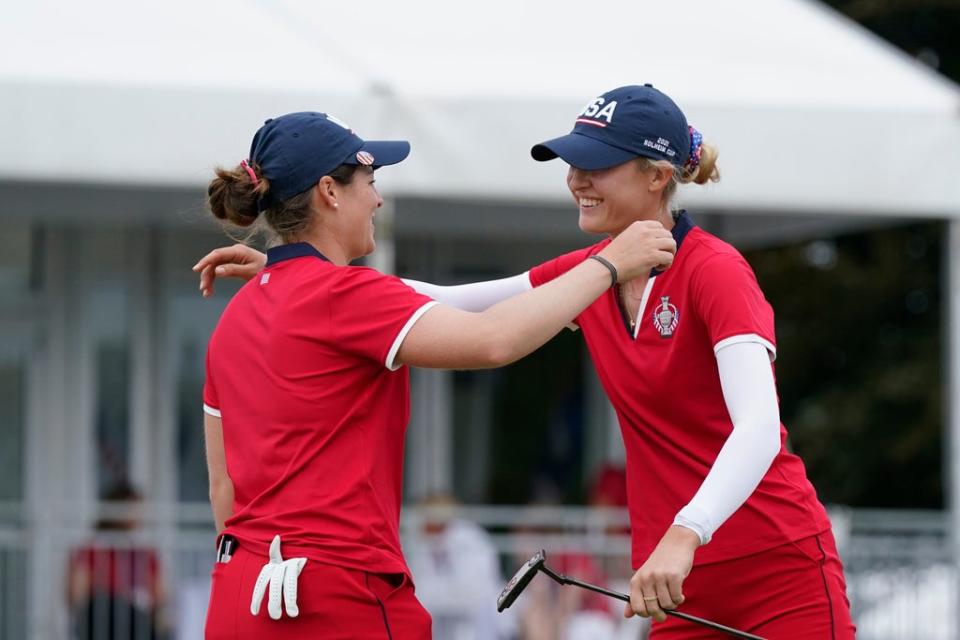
x,y
610,199
358,201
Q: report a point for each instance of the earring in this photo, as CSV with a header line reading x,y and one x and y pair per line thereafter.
x,y
336,204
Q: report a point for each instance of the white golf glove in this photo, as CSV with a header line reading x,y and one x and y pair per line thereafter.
x,y
278,573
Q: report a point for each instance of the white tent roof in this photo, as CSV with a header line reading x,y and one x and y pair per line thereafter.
x,y
810,112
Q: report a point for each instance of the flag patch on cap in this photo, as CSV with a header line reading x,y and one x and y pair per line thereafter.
x,y
364,158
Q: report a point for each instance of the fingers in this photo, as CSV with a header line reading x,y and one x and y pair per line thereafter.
x,y
638,597
276,592
281,575
651,603
275,556
652,596
260,587
628,610
237,261
664,260
232,253
291,573
675,588
212,259
665,597
206,281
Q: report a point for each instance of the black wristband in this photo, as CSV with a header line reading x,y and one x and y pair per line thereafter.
x,y
609,265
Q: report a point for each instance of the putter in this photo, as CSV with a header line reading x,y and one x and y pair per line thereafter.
x,y
537,563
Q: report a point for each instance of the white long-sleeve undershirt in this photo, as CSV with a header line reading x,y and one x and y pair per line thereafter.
x,y
476,296
750,394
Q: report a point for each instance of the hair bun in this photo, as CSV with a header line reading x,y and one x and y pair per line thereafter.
x,y
235,195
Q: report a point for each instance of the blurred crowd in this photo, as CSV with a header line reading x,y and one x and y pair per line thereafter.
x,y
117,589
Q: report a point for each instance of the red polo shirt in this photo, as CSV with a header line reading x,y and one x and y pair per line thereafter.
x,y
300,370
665,387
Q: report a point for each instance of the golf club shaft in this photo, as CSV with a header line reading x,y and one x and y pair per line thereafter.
x,y
677,614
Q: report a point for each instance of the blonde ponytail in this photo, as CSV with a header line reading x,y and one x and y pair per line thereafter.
x,y
705,171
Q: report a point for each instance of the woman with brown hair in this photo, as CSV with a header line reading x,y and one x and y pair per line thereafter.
x,y
306,398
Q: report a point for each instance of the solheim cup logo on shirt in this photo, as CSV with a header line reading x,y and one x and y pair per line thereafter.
x,y
666,317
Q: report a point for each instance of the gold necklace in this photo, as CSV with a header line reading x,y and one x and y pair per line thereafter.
x,y
625,299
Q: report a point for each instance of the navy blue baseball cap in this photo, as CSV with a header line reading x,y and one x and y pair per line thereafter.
x,y
297,149
620,125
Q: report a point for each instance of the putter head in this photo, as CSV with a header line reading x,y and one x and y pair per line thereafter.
x,y
520,580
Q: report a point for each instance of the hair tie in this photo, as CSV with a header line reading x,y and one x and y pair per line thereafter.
x,y
696,149
251,173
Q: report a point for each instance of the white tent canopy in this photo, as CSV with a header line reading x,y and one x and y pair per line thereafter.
x,y
811,113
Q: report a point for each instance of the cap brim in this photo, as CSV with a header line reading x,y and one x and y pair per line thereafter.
x,y
384,152
582,152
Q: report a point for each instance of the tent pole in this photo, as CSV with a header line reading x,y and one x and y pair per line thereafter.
x,y
951,262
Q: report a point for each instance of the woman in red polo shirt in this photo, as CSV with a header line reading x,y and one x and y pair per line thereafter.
x,y
306,398
685,358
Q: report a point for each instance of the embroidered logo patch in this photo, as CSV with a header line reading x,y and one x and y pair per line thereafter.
x,y
597,110
666,317
265,278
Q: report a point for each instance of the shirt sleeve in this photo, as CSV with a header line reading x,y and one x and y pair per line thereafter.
x,y
211,405
728,299
371,313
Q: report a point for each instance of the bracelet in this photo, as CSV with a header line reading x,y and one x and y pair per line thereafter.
x,y
609,265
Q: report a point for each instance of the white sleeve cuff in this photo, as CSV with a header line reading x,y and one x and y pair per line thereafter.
x,y
747,337
392,354
211,410
695,520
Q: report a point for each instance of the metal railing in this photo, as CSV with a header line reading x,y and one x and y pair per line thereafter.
x,y
902,581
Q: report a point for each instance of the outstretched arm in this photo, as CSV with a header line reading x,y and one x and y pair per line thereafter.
x,y
243,262
448,338
475,296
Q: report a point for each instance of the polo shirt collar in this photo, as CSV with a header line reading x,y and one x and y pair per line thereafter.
x,y
681,227
291,251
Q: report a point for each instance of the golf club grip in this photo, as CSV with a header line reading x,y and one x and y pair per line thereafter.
x,y
677,614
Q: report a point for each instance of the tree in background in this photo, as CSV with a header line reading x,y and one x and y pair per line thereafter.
x,y
859,333
859,322
926,29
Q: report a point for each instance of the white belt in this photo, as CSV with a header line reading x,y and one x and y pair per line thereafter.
x,y
278,573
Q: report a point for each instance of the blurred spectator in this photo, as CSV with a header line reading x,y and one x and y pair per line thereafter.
x,y
554,612
456,572
115,588
549,611
609,487
608,490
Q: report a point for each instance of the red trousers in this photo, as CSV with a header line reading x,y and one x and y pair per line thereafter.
x,y
792,592
335,603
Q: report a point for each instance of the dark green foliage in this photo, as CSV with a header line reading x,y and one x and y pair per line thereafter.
x,y
859,372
